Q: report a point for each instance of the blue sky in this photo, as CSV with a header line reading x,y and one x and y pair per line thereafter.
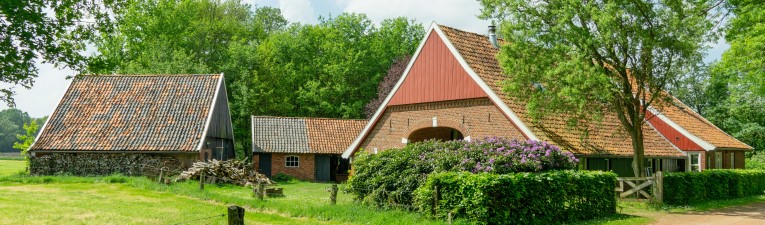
x,y
51,83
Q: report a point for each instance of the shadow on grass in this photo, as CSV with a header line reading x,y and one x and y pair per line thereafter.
x,y
616,219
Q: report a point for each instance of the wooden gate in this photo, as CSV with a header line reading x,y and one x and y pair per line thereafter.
x,y
627,186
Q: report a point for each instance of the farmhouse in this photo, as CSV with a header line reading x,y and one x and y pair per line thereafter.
x,y
451,90
114,123
305,148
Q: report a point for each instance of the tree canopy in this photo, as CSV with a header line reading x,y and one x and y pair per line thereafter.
x,y
12,123
53,31
271,67
589,58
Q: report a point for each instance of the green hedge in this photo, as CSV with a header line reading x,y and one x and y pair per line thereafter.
x,y
520,198
688,188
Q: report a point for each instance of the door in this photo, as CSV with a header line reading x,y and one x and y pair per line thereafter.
x,y
265,164
718,160
322,168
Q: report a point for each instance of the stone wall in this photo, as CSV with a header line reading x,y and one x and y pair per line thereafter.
x,y
98,164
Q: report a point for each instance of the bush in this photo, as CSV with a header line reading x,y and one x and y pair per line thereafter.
x,y
689,188
282,177
519,198
390,177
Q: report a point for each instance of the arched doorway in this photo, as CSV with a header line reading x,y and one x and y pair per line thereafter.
x,y
438,133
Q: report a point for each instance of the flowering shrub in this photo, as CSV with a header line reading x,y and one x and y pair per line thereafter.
x,y
390,177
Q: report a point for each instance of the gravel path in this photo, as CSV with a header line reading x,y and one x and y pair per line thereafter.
x,y
738,215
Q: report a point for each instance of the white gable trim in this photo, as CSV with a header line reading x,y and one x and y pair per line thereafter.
x,y
493,96
42,129
705,145
210,113
665,138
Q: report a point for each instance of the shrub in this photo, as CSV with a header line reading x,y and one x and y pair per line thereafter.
x,y
688,188
282,177
519,198
390,177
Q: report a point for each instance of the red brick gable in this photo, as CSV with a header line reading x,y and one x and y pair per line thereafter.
x,y
436,75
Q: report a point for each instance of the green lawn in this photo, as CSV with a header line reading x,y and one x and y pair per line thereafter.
x,y
138,200
9,167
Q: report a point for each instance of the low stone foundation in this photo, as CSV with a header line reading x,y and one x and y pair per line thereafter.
x,y
97,164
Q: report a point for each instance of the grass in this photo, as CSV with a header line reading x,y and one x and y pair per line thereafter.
x,y
10,167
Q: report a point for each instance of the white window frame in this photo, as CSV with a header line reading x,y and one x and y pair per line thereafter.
x,y
690,161
287,161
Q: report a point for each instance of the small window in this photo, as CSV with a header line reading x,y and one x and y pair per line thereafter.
x,y
695,166
732,160
292,161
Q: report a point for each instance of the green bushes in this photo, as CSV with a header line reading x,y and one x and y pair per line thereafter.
x,y
519,198
687,188
390,177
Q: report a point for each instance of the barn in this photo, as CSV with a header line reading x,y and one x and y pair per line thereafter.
x,y
304,148
451,89
121,123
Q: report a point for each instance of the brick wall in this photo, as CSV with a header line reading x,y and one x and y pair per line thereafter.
x,y
476,118
305,170
738,159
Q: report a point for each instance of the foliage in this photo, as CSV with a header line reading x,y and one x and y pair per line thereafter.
x,y
689,188
271,67
746,35
756,161
51,31
519,198
587,58
25,141
388,178
283,177
386,85
12,123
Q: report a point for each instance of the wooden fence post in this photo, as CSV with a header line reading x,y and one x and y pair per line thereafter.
x,y
435,200
333,195
235,215
261,191
202,181
658,194
161,170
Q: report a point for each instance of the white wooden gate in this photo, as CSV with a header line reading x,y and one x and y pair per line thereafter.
x,y
627,186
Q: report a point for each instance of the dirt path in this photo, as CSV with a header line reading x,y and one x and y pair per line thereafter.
x,y
738,215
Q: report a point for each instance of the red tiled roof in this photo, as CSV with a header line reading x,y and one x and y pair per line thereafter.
x,y
131,113
694,123
303,135
607,138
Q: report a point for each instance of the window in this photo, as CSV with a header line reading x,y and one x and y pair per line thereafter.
x,y
694,161
292,161
718,160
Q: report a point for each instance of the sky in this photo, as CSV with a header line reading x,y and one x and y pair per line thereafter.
x,y
51,82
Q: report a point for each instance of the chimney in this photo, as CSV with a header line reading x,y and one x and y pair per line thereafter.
x,y
493,36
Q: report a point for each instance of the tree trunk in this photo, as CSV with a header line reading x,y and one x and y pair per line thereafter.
x,y
638,156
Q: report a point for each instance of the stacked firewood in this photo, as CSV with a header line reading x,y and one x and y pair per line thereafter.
x,y
98,164
231,171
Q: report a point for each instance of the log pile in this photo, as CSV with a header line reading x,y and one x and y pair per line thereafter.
x,y
95,164
231,171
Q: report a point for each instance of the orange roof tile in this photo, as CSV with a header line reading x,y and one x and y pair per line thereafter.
x,y
303,135
130,113
607,138
694,123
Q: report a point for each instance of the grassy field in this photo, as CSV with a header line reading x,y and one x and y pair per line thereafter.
x,y
138,200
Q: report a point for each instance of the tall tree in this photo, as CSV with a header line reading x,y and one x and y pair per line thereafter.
x,y
595,57
746,34
53,31
386,85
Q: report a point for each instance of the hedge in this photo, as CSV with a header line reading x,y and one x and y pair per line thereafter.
x,y
390,177
520,198
686,188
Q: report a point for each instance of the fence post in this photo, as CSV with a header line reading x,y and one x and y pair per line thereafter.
x,y
261,190
435,200
333,196
161,170
235,215
658,194
202,181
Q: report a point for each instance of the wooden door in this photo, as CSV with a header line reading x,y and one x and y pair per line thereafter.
x,y
322,168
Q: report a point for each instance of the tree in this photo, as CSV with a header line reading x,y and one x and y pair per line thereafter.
x,y
11,124
26,140
54,31
746,34
589,58
386,85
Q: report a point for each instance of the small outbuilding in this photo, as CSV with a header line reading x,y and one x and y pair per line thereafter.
x,y
126,123
304,148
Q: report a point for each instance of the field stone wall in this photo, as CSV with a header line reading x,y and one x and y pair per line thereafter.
x,y
97,164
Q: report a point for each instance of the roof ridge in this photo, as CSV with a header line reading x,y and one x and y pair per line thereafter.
x,y
148,75
299,117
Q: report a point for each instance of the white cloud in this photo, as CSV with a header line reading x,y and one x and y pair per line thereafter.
x,y
298,11
460,14
48,88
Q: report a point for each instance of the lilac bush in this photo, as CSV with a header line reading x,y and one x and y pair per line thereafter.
x,y
499,155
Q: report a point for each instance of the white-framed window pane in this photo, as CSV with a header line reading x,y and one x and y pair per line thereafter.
x,y
292,161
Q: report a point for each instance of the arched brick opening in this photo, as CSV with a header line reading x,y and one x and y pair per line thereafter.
x,y
444,130
438,133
